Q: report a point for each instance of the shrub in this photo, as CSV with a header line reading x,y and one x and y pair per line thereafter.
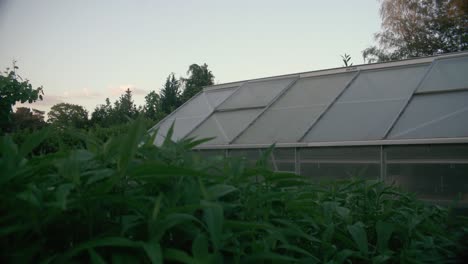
x,y
126,200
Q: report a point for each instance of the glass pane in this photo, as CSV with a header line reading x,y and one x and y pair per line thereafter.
x,y
216,97
340,154
434,115
290,117
355,121
328,172
431,181
191,114
251,155
207,153
446,74
224,126
286,166
284,154
369,106
434,153
258,93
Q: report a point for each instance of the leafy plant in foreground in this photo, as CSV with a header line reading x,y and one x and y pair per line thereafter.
x,y
125,200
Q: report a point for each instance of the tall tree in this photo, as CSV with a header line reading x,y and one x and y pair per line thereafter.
x,y
124,107
24,118
413,28
14,89
198,76
152,108
170,94
102,114
68,115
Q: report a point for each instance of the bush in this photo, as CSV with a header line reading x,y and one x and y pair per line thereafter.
x,y
125,200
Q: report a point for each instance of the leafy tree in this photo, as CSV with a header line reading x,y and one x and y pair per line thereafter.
x,y
24,118
170,94
68,115
14,89
102,114
199,76
413,28
152,108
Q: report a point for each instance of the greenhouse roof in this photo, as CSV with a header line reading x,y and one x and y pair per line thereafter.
x,y
423,100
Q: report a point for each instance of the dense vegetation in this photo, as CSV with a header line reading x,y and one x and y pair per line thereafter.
x,y
125,200
415,28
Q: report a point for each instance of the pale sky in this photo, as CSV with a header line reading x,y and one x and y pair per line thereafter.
x,y
84,51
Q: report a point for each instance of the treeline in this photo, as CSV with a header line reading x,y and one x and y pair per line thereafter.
x,y
66,115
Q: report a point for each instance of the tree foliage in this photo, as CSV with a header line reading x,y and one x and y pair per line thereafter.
x,y
25,118
198,77
170,94
68,115
152,108
124,107
413,28
14,89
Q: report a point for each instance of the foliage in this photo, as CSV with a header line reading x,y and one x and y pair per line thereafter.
x,y
414,28
170,95
68,115
125,200
199,76
346,60
153,108
14,89
25,118
124,108
102,114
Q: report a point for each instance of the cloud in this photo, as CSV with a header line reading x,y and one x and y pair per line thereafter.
x,y
82,94
118,90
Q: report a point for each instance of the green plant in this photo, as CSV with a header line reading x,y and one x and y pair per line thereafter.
x,y
125,200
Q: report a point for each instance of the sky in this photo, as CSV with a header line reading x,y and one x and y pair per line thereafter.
x,y
84,51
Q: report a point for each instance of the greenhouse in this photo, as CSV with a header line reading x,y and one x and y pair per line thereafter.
x,y
405,122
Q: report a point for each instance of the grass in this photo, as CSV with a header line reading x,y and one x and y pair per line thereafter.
x,y
127,201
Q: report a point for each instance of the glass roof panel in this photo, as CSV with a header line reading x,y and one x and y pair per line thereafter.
x,y
292,114
192,113
256,94
447,74
369,106
432,116
224,126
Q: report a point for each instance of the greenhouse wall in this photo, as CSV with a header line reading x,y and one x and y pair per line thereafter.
x,y
437,172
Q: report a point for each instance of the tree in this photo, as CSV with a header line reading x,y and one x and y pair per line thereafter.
x,y
24,118
14,89
68,115
124,108
413,28
152,108
199,76
102,114
170,95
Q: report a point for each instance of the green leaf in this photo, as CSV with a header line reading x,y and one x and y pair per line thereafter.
x,y
384,232
33,141
213,216
200,248
359,235
129,145
219,190
95,258
178,255
153,251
